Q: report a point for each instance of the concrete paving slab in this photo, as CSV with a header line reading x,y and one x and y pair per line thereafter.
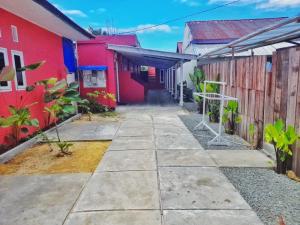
x,y
170,130
120,191
149,217
184,158
88,131
135,132
165,120
238,158
36,200
211,217
135,123
177,142
128,160
198,188
133,143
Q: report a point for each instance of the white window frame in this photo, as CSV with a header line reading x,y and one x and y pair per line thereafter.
x,y
14,33
6,62
19,53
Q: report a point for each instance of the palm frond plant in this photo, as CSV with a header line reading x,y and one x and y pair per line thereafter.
x,y
197,79
20,117
282,139
19,120
231,117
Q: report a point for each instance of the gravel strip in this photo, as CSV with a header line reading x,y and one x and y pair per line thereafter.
x,y
204,136
268,193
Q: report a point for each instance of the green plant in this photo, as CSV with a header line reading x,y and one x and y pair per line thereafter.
x,y
64,148
282,139
213,105
252,130
20,119
231,117
91,104
197,79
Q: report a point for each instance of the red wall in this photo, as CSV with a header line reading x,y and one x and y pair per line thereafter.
x,y
36,44
93,53
97,54
130,90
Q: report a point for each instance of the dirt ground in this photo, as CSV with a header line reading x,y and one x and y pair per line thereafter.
x,y
39,160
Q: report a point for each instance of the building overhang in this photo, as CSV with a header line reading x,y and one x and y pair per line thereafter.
x,y
154,58
97,68
47,16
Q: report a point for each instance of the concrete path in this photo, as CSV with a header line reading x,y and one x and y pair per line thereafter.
x,y
155,173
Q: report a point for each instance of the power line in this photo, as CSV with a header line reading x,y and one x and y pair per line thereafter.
x,y
181,18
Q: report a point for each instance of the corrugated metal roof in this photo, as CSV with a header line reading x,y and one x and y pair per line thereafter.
x,y
225,31
284,33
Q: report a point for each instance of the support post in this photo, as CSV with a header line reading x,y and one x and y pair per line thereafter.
x,y
181,84
175,82
117,78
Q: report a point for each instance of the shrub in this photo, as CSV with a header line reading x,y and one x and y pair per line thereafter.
x,y
231,117
282,139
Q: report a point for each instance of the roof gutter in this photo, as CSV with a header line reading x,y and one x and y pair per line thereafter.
x,y
52,9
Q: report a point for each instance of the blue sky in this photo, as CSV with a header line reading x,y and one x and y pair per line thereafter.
x,y
128,15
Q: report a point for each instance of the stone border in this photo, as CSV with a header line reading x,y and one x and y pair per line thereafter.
x,y
20,148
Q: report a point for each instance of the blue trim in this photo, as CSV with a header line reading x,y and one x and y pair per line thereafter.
x,y
99,68
48,6
69,55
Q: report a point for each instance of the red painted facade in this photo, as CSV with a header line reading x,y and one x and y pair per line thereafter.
x,y
36,44
95,53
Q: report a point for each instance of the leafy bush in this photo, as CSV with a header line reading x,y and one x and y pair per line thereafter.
x,y
20,117
282,139
91,105
231,117
197,79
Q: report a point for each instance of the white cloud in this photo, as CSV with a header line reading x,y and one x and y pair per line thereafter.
x,y
263,4
148,28
189,2
277,4
71,12
98,11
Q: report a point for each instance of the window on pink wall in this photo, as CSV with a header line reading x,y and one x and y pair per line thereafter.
x,y
14,33
4,85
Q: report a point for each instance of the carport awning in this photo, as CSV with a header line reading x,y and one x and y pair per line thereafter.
x,y
147,57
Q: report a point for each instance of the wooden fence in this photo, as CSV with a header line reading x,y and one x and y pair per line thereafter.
x,y
263,96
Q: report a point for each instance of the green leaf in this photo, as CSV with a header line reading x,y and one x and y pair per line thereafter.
x,y
68,109
74,85
34,122
7,74
71,93
58,86
31,67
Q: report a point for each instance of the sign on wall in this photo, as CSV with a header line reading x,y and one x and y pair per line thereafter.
x,y
94,79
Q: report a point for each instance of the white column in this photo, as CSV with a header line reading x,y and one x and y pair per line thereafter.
x,y
165,78
175,96
181,84
170,80
117,78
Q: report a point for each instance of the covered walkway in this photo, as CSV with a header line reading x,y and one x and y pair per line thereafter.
x,y
165,62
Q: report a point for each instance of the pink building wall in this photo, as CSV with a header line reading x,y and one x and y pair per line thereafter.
x,y
37,44
95,53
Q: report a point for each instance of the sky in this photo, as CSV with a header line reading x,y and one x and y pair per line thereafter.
x,y
129,15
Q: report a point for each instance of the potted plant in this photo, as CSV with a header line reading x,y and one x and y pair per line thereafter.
x,y
231,117
282,139
197,79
